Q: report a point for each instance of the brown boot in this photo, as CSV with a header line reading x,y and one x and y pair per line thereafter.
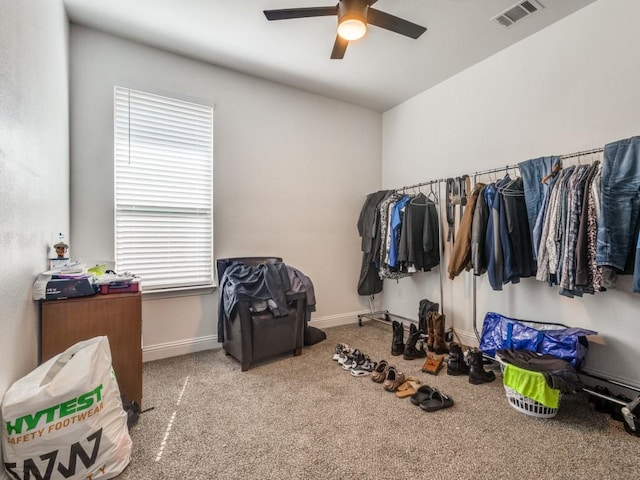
x,y
430,315
439,346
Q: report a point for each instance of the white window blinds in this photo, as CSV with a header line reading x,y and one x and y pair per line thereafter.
x,y
163,190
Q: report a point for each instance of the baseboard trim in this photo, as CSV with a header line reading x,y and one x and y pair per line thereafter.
x,y
336,320
180,347
465,338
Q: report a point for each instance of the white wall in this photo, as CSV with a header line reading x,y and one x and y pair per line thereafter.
x,y
571,87
34,161
291,172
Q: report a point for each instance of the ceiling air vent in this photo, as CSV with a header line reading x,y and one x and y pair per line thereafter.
x,y
517,12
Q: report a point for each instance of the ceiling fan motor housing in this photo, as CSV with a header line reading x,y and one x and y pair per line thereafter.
x,y
352,10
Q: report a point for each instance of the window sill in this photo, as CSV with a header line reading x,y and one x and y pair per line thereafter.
x,y
178,292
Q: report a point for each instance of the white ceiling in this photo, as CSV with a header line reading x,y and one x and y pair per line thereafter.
x,y
378,72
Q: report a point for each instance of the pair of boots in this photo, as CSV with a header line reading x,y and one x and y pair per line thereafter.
x,y
409,350
433,324
456,365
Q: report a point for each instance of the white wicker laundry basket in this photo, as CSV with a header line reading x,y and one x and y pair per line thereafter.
x,y
527,405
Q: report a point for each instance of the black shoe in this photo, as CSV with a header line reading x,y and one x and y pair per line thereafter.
x,y
477,373
456,364
397,343
410,351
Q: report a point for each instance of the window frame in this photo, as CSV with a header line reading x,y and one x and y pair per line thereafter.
x,y
167,288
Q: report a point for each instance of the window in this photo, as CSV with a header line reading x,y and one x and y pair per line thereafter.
x,y
163,190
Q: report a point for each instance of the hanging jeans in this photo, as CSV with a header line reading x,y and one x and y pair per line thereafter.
x,y
620,205
536,193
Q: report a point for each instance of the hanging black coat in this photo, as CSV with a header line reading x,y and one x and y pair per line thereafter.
x,y
369,282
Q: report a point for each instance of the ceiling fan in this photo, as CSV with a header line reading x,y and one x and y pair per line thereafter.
x,y
353,18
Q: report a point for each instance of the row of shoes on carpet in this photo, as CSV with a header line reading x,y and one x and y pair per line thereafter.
x,y
471,364
427,398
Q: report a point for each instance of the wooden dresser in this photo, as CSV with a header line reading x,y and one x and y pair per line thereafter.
x,y
118,316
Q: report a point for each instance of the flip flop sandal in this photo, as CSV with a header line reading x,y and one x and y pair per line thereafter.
x,y
393,379
438,401
422,394
408,388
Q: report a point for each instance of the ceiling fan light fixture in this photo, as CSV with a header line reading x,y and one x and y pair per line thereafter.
x,y
354,16
352,27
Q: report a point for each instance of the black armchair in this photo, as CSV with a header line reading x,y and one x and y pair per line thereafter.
x,y
251,336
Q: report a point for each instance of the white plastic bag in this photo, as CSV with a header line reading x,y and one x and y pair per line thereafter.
x,y
65,421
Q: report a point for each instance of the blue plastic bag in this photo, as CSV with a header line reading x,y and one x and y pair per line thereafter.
x,y
569,344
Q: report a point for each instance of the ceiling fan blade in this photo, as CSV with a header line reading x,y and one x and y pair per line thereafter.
x,y
339,48
393,23
286,13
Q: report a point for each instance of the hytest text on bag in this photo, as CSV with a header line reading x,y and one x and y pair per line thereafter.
x,y
81,406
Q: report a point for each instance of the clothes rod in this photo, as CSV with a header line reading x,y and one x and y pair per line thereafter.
x,y
581,154
505,168
562,157
494,170
423,184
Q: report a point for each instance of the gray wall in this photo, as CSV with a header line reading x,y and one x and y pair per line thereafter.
x,y
572,87
34,161
291,172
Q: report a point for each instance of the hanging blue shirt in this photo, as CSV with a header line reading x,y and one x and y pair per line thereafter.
x,y
396,224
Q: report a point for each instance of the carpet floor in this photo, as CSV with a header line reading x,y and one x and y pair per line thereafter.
x,y
306,418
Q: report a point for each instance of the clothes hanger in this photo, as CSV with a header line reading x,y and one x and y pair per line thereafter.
x,y
432,195
419,198
554,171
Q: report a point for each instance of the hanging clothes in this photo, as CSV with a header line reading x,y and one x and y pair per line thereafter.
x,y
559,230
582,279
508,239
385,270
410,235
368,226
574,205
400,235
431,237
537,192
461,254
521,263
395,223
493,245
620,217
478,233
594,277
419,237
566,256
